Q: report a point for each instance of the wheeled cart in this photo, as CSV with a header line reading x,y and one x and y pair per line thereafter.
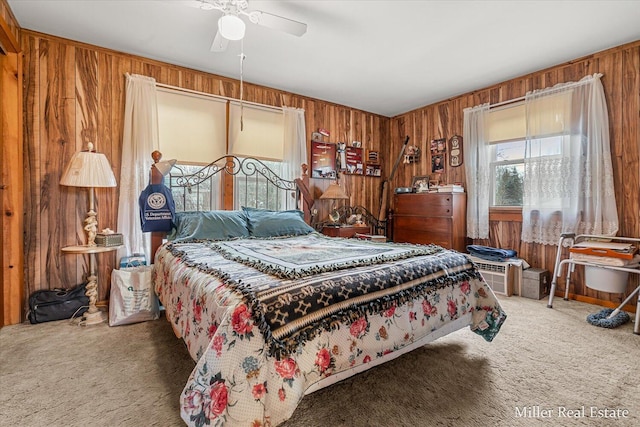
x,y
615,272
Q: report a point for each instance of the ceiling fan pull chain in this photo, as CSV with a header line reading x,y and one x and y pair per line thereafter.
x,y
241,84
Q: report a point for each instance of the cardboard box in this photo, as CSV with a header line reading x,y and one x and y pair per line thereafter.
x,y
536,283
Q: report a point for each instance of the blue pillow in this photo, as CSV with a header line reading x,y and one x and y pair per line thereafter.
x,y
212,225
266,223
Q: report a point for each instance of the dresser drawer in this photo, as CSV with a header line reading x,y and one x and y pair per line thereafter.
x,y
424,204
411,229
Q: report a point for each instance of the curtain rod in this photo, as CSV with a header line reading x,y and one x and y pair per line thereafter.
x,y
226,98
550,89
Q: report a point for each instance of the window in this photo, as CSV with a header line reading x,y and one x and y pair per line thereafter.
x,y
253,190
193,129
202,197
507,173
507,130
256,131
508,167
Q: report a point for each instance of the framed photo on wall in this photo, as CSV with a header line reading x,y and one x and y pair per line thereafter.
x,y
437,163
323,160
373,170
355,162
438,146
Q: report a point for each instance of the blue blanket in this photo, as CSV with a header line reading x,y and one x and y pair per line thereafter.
x,y
491,254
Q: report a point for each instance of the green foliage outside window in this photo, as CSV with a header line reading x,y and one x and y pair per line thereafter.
x,y
509,186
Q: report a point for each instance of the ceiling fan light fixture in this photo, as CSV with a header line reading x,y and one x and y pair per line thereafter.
x,y
231,27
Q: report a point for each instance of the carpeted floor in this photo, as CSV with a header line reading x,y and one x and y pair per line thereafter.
x,y
545,368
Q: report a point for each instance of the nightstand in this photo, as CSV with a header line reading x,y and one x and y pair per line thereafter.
x,y
93,316
345,230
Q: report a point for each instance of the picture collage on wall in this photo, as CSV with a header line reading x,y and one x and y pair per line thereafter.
x,y
327,159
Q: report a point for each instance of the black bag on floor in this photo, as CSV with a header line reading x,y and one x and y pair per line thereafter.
x,y
57,304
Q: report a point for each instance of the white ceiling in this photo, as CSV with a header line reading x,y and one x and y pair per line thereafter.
x,y
386,57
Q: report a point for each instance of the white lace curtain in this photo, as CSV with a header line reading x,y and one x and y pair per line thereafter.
x,y
569,191
477,163
140,139
568,188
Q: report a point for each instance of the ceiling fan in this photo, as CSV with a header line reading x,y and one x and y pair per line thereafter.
x,y
232,27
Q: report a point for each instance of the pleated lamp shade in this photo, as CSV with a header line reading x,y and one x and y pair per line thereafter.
x,y
334,192
88,169
164,167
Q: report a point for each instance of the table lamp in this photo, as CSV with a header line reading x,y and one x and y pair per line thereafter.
x,y
89,169
334,192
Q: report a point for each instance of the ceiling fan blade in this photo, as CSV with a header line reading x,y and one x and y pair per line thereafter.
x,y
219,43
278,23
198,4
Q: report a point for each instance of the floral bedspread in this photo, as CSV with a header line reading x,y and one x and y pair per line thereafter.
x,y
237,381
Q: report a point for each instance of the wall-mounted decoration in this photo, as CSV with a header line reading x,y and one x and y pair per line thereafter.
x,y
437,163
455,151
373,157
341,156
355,164
373,170
438,146
356,144
420,184
316,136
323,160
412,154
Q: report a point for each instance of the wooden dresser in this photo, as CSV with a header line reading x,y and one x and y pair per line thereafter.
x,y
439,218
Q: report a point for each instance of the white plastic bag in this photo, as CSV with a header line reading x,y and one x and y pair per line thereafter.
x,y
132,298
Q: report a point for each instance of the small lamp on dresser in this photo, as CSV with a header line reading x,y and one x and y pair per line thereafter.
x,y
89,169
334,192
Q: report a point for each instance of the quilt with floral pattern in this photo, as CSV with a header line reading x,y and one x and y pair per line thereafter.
x,y
265,319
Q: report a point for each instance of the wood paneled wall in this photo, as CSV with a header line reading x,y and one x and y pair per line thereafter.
x,y
8,20
11,175
620,67
75,93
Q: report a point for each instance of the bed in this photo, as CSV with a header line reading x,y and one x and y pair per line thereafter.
x,y
271,310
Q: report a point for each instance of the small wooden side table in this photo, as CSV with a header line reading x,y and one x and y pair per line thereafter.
x,y
93,315
345,230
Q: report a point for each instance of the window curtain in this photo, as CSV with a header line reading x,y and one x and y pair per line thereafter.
x,y
571,191
140,138
295,143
477,163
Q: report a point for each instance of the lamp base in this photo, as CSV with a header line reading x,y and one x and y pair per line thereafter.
x,y
94,318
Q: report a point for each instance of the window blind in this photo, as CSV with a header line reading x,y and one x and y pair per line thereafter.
x,y
191,127
262,135
547,116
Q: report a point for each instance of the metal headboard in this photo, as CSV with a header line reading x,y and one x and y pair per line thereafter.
x,y
290,193
376,226
198,191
